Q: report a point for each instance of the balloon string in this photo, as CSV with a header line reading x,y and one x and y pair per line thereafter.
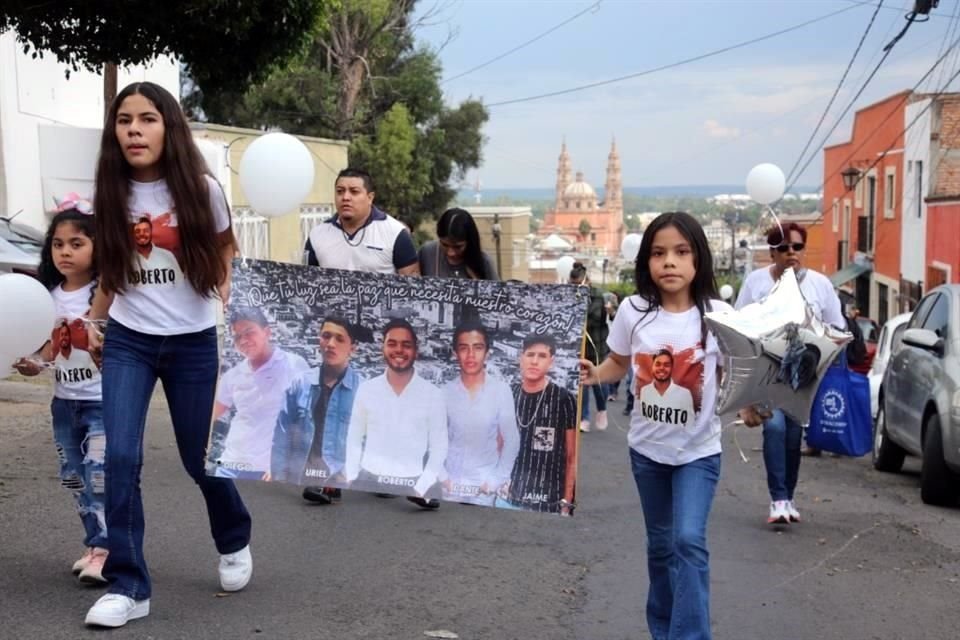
x,y
773,214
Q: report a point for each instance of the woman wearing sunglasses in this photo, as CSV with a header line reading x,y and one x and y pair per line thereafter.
x,y
781,435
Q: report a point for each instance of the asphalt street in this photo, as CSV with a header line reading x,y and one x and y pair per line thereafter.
x,y
869,561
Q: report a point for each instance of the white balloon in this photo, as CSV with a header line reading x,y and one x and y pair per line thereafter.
x,y
765,183
26,315
630,246
726,292
564,265
276,174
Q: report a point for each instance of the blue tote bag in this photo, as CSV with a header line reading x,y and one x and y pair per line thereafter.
x,y
840,419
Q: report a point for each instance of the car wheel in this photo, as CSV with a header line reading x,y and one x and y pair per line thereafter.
x,y
887,455
938,485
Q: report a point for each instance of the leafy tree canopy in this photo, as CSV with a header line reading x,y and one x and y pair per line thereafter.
x,y
221,42
363,78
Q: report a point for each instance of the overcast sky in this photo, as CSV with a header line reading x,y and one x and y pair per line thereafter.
x,y
707,122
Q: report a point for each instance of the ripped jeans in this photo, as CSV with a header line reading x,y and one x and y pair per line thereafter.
x,y
78,436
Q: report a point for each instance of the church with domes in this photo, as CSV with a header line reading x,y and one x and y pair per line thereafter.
x,y
592,227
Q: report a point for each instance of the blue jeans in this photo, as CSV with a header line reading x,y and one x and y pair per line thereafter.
x,y
676,504
599,394
187,366
78,435
781,454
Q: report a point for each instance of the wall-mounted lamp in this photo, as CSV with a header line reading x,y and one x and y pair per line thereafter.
x,y
851,176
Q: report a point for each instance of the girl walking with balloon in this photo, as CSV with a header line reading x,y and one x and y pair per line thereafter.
x,y
674,435
165,246
67,269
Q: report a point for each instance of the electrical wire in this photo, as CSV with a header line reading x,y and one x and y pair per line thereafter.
x,y
678,63
836,91
591,8
886,52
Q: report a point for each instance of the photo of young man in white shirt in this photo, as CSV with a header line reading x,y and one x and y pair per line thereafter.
x,y
664,401
397,442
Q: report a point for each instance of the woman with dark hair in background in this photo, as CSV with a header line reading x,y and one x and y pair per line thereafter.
x,y
456,253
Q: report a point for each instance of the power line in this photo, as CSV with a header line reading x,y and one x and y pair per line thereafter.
x,y
678,63
867,3
886,52
593,8
933,98
836,91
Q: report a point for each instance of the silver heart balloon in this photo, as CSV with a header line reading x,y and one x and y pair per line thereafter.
x,y
776,352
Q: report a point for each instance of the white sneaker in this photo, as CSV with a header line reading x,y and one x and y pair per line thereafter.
x,y
601,420
585,426
792,512
115,610
236,569
778,513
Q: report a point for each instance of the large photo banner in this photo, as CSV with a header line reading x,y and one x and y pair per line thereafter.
x,y
460,390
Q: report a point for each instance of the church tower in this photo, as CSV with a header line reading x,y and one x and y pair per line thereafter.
x,y
563,175
613,187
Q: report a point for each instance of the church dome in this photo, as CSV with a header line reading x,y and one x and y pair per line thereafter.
x,y
579,189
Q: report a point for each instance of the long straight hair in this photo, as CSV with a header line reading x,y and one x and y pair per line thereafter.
x,y
703,287
184,169
458,225
47,271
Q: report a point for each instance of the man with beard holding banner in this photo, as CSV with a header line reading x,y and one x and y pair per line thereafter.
x,y
360,237
310,439
397,440
544,474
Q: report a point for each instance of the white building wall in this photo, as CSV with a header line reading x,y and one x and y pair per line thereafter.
x,y
35,92
917,167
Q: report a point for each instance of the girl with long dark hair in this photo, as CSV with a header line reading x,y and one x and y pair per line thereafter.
x,y
456,253
165,244
674,432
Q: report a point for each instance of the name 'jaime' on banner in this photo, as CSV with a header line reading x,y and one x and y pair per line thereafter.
x,y
462,390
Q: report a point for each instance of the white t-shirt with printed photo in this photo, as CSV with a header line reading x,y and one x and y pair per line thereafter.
x,y
257,395
77,377
160,300
658,431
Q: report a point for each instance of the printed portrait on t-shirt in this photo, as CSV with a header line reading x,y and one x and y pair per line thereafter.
x,y
71,351
669,385
157,241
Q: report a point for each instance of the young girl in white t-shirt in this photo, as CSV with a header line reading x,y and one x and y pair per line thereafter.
x,y
67,268
674,433
165,247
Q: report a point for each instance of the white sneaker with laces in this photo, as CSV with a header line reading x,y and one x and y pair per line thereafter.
x,y
778,513
792,512
115,610
601,420
236,569
585,426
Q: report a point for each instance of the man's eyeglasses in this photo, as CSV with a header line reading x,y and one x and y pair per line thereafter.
x,y
796,246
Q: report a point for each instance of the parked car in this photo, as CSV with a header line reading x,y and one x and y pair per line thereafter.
x,y
887,343
20,247
920,398
870,330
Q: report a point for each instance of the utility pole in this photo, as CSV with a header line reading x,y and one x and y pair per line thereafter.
x,y
496,241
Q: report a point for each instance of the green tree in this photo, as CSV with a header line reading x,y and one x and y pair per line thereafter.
x,y
355,71
584,228
222,43
389,155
